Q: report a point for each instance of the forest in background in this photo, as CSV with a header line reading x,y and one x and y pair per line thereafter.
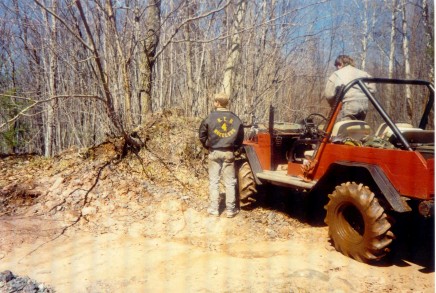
x,y
73,73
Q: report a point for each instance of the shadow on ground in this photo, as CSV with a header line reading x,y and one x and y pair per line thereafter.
x,y
414,243
414,235
294,204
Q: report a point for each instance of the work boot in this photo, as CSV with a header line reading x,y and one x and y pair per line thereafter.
x,y
213,213
231,213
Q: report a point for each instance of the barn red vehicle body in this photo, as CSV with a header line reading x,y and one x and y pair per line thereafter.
x,y
362,174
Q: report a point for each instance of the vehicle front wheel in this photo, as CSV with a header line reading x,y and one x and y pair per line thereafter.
x,y
358,224
246,183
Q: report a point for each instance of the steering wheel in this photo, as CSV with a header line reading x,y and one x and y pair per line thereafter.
x,y
323,118
312,128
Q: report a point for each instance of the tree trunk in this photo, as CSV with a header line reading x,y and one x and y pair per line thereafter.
x,y
101,74
235,49
409,102
51,87
365,34
391,99
147,56
429,35
190,103
123,64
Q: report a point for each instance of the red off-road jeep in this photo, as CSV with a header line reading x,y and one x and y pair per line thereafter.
x,y
364,173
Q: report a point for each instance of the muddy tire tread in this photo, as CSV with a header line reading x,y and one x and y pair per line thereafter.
x,y
369,245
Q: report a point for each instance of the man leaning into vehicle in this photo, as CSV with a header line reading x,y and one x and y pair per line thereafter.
x,y
355,103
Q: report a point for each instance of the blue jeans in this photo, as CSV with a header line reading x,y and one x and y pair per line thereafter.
x,y
222,162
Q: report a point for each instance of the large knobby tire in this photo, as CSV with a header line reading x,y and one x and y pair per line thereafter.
x,y
358,224
246,183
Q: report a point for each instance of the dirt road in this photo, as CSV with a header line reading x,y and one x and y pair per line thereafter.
x,y
179,249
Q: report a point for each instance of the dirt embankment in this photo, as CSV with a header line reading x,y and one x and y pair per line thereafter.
x,y
107,220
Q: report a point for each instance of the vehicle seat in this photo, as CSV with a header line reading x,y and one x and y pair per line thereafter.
x,y
355,129
412,134
384,131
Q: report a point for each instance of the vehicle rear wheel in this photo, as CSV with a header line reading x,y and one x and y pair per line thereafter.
x,y
358,224
246,183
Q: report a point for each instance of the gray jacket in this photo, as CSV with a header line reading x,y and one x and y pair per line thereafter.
x,y
342,77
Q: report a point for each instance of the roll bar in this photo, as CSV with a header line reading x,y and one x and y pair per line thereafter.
x,y
424,119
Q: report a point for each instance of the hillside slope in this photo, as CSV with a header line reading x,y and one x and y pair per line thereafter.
x,y
107,219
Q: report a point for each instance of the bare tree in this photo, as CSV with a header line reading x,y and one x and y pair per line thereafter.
x,y
367,20
405,40
123,62
394,7
234,47
147,58
394,15
51,68
429,36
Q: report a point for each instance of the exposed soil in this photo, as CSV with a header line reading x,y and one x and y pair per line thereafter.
x,y
107,220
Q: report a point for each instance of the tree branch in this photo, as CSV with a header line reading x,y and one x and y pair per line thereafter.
x,y
164,46
35,103
64,23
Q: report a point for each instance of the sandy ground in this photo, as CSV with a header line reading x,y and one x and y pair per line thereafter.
x,y
196,253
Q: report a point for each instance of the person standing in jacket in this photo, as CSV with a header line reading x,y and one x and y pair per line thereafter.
x,y
355,102
221,132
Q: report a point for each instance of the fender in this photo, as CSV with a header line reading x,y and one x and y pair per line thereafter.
x,y
254,162
353,170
